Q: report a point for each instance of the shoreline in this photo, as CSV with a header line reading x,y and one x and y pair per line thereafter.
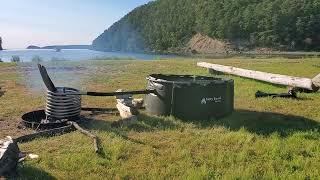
x,y
233,54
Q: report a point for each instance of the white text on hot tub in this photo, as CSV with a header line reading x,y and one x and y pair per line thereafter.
x,y
211,99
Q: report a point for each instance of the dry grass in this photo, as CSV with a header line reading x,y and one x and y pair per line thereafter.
x,y
263,139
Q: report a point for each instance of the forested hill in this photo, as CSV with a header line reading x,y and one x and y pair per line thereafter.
x,y
168,25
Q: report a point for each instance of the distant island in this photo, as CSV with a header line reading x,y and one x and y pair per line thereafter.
x,y
61,47
214,26
33,47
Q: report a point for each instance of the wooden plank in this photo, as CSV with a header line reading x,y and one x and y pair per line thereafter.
x,y
291,81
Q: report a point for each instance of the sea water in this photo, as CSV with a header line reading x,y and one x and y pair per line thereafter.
x,y
26,55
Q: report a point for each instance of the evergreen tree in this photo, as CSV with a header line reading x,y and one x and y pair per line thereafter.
x,y
167,25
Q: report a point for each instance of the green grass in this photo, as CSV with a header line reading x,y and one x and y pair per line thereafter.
x,y
263,139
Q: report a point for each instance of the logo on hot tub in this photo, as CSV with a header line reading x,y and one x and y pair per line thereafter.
x,y
213,99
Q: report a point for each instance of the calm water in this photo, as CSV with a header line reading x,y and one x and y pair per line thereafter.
x,y
72,54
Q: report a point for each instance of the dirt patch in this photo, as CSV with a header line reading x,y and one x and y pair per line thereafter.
x,y
14,101
204,44
12,128
7,69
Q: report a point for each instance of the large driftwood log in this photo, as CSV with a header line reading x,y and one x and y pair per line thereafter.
x,y
303,83
45,133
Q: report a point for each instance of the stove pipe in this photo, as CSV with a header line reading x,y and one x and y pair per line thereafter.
x,y
61,106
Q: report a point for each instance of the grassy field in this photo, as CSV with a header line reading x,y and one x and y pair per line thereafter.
x,y
263,139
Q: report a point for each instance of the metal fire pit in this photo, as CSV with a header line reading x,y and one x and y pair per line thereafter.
x,y
190,97
38,120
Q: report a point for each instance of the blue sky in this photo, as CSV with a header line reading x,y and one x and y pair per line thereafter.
x,y
50,22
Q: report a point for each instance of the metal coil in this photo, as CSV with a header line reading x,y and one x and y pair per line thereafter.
x,y
61,106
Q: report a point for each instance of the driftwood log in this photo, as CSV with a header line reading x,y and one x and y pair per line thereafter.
x,y
92,136
45,133
290,81
9,150
72,126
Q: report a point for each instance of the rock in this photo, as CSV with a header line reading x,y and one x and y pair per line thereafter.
x,y
9,156
204,44
138,103
316,81
128,109
33,156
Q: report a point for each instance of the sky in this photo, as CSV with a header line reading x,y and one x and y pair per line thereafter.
x,y
58,22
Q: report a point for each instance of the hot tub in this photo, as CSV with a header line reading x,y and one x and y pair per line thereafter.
x,y
190,97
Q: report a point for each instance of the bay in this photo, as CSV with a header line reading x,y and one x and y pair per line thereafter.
x,y
26,55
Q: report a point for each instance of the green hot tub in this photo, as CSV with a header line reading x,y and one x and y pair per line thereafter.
x,y
190,97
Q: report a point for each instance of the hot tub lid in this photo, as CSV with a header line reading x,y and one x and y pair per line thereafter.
x,y
185,79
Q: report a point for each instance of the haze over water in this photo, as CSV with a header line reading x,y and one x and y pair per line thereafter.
x,y
72,54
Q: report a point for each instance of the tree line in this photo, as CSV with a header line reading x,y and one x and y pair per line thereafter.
x,y
167,25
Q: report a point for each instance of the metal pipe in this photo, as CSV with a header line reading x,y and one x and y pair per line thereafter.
x,y
113,93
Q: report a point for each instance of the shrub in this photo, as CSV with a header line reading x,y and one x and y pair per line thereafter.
x,y
36,59
15,59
